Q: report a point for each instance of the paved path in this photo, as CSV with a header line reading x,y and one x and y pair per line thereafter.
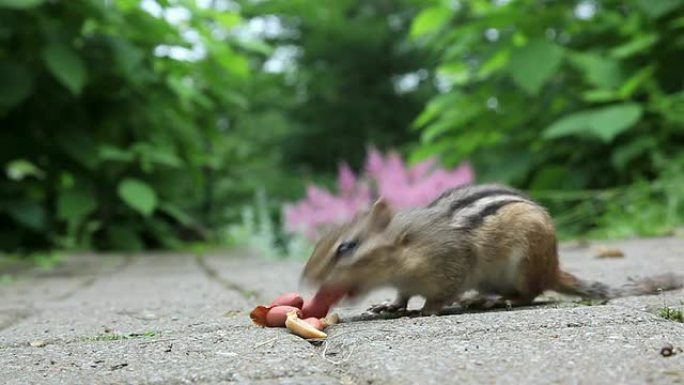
x,y
179,319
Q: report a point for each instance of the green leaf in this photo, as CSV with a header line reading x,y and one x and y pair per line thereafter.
x,y
15,82
532,65
429,20
138,195
600,96
436,129
495,63
435,107
230,60
573,124
457,116
75,204
66,66
457,72
19,169
670,107
429,113
177,213
20,4
599,71
603,123
255,46
609,122
151,153
632,150
228,19
633,83
677,23
638,45
28,213
127,56
113,153
658,8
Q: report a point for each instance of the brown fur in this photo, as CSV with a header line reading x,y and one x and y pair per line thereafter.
x,y
533,226
511,252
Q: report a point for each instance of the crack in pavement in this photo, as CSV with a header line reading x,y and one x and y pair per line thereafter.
x,y
89,281
84,283
214,275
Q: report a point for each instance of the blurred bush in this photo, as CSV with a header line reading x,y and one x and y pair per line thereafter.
x,y
116,122
555,94
136,124
562,95
353,76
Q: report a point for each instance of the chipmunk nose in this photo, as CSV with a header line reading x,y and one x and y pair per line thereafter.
x,y
310,278
305,278
306,283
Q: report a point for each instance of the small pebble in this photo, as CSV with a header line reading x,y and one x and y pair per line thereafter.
x,y
609,252
227,354
667,350
148,316
38,343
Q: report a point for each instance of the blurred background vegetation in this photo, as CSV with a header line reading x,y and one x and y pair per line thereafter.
x,y
130,125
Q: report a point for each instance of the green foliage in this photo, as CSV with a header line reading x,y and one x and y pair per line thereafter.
x,y
130,127
430,20
582,95
533,64
17,263
16,83
19,4
592,89
671,313
118,129
66,66
138,195
647,208
119,337
343,86
604,123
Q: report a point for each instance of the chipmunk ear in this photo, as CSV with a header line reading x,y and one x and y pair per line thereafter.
x,y
381,214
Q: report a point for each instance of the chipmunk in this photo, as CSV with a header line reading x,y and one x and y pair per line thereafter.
x,y
489,238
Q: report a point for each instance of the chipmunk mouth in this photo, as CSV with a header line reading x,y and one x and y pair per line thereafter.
x,y
334,294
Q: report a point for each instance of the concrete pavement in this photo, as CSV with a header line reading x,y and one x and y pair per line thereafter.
x,y
181,319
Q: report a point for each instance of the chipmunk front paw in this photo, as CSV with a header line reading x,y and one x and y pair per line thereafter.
x,y
386,307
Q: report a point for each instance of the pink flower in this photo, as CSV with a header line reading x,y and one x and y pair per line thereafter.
x,y
387,177
345,179
374,162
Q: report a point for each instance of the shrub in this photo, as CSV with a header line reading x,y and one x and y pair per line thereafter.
x,y
115,123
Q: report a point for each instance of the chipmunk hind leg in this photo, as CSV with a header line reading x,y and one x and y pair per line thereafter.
x,y
539,270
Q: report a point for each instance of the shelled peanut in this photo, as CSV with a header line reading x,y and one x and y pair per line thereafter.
x,y
304,318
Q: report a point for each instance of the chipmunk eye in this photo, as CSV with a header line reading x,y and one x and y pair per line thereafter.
x,y
346,247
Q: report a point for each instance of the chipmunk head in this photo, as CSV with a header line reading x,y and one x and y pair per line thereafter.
x,y
356,255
